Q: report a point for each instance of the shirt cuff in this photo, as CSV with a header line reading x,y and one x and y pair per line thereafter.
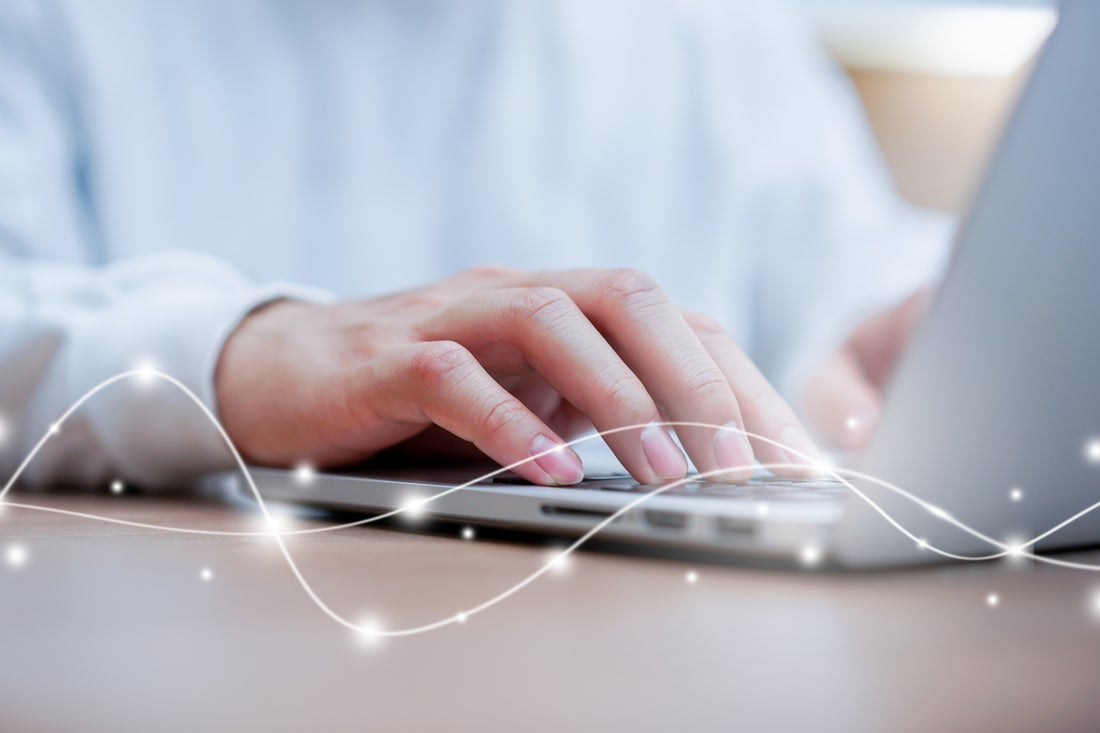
x,y
153,429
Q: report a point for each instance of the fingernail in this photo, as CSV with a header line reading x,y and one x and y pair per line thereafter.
x,y
664,456
559,461
795,439
732,450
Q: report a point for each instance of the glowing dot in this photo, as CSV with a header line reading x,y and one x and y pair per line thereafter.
x,y
468,533
304,473
852,422
992,600
922,544
413,508
559,562
1092,451
1016,494
692,577
761,508
460,617
276,522
206,575
117,487
146,372
16,555
55,428
1015,548
368,631
809,556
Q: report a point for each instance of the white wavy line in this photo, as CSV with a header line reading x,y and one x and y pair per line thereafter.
x,y
834,472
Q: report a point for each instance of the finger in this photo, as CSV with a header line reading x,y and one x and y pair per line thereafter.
x,y
648,330
552,335
570,423
841,403
533,391
442,383
879,341
765,412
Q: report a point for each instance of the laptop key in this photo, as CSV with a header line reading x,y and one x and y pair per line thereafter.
x,y
507,477
783,491
758,488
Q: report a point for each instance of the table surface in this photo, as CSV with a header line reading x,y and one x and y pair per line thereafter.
x,y
110,627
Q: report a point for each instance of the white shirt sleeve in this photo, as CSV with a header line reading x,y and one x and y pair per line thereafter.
x,y
835,241
68,322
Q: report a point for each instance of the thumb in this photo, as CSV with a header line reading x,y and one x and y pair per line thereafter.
x,y
841,403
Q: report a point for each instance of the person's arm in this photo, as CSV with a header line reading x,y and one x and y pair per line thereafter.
x,y
839,248
68,322
510,362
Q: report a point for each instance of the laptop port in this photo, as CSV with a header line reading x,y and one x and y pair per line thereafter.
x,y
556,510
665,520
729,527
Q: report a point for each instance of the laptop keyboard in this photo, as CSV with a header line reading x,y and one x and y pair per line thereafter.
x,y
763,487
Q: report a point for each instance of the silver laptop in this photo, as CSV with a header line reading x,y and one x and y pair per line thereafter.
x,y
988,419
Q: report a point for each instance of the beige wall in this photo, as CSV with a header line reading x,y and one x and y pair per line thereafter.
x,y
936,131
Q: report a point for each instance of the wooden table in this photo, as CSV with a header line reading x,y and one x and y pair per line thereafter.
x,y
108,627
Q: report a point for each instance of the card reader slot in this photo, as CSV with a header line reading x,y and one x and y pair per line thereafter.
x,y
575,512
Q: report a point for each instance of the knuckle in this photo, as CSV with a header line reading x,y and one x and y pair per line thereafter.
x,y
500,418
632,293
626,397
707,384
439,362
532,303
629,283
702,323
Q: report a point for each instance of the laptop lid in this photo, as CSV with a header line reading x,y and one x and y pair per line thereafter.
x,y
1000,389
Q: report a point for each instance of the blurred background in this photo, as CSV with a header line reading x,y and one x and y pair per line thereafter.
x,y
937,77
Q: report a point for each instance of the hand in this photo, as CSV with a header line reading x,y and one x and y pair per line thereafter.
x,y
513,362
843,399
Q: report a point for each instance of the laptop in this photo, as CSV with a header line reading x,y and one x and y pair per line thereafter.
x,y
990,423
